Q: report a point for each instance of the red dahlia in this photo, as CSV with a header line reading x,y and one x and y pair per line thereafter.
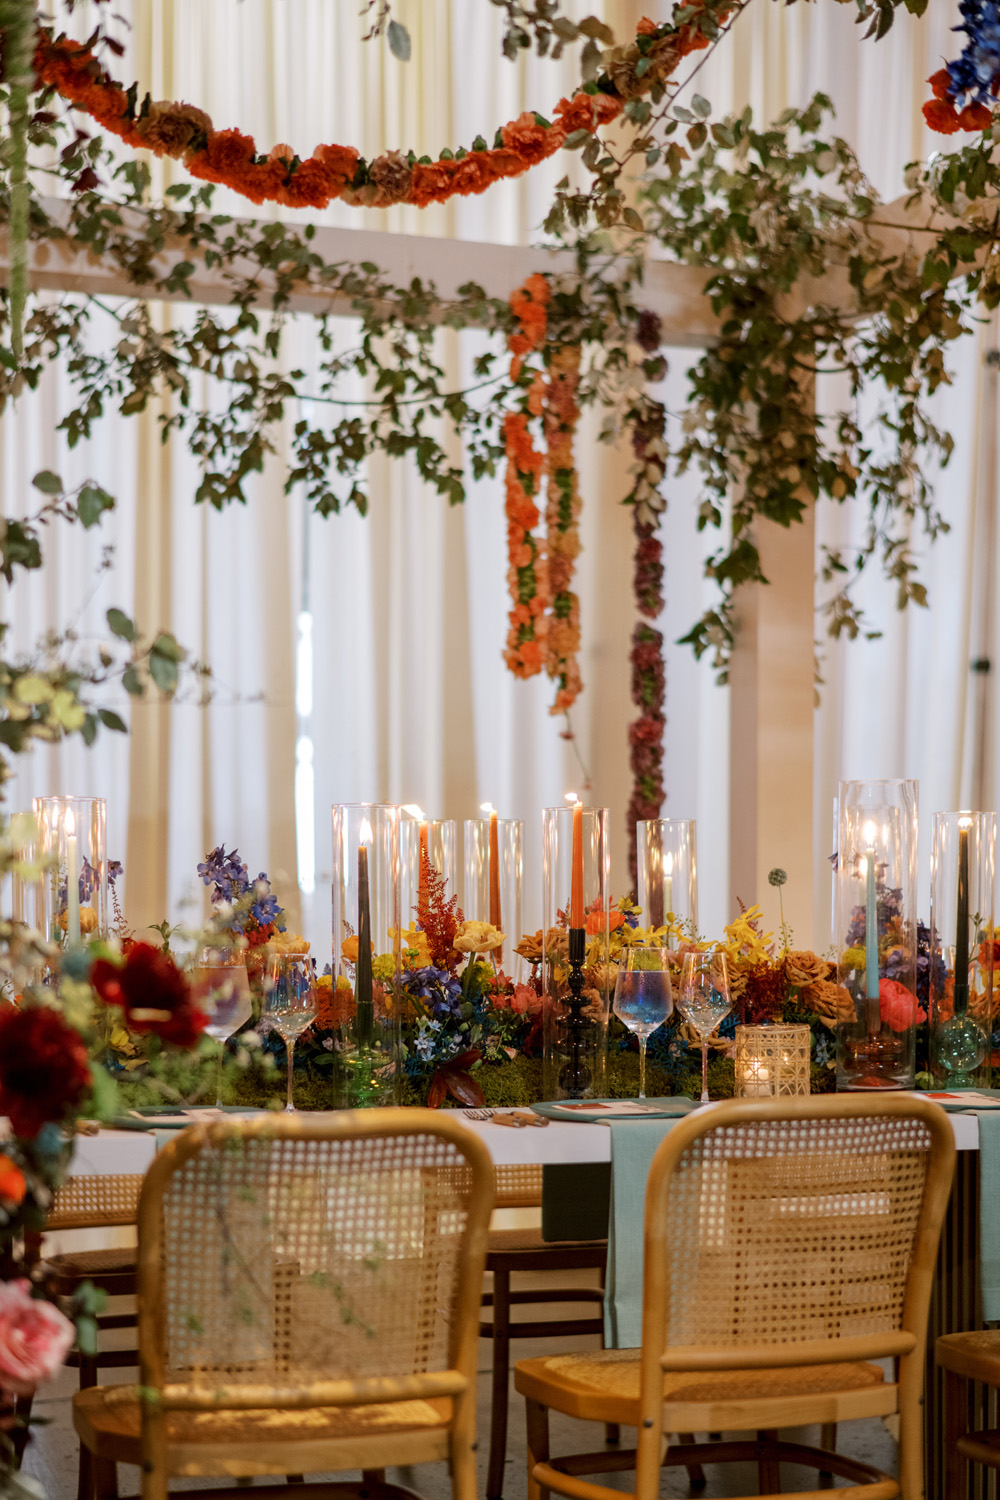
x,y
152,992
44,1073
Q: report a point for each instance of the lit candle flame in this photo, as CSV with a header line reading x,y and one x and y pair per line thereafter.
x,y
572,798
366,831
487,807
668,864
965,820
870,832
70,824
414,811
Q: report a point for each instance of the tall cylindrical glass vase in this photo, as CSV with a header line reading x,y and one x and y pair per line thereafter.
x,y
877,934
962,947
366,953
73,841
668,873
575,969
492,890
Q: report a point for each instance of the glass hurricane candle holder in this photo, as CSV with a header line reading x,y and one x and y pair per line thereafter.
x,y
962,947
771,1061
876,934
492,889
668,873
364,1013
575,968
73,843
438,836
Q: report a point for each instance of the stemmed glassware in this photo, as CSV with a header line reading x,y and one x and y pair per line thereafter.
x,y
704,1000
223,992
290,1001
644,997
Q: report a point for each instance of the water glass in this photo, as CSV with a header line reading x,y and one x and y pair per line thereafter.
x,y
644,997
222,990
704,1000
290,1001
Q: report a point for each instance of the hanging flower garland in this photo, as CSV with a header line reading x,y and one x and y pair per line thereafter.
x,y
562,539
230,158
527,576
647,419
965,90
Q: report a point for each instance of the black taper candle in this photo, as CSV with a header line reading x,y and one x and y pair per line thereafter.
x,y
364,1002
962,925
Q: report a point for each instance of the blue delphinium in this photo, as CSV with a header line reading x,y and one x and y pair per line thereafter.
x,y
971,76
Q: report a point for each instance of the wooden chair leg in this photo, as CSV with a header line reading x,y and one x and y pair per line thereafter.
x,y
20,1435
537,1417
105,1479
501,1384
956,1425
768,1468
85,1475
612,1432
828,1442
696,1474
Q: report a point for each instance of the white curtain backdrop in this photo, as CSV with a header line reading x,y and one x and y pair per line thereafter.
x,y
361,658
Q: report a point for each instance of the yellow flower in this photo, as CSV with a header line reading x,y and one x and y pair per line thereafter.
x,y
413,941
287,942
477,937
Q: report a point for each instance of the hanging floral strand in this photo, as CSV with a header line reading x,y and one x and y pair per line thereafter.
x,y
527,576
649,675
229,157
562,539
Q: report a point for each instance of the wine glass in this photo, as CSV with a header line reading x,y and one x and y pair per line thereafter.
x,y
643,997
222,990
290,1001
704,1000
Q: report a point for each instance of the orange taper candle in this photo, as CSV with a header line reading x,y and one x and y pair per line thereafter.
x,y
576,888
494,873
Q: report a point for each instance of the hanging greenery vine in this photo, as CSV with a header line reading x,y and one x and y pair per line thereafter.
x,y
765,210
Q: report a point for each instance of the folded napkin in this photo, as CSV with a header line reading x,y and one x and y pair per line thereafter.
x,y
989,1214
633,1144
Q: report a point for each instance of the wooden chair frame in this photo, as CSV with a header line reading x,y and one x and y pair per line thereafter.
x,y
654,1416
455,1440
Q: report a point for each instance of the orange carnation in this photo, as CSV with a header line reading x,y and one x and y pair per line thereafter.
x,y
646,27
527,138
940,116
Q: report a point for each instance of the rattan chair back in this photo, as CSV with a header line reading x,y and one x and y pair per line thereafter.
x,y
790,1232
518,1185
293,1256
95,1202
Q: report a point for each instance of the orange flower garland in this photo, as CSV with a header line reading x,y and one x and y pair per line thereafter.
x,y
527,573
562,542
230,158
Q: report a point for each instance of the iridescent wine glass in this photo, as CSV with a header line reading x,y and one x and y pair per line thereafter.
x,y
704,1000
290,1002
644,997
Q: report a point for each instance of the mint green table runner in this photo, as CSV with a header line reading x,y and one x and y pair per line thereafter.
x,y
633,1145
989,1213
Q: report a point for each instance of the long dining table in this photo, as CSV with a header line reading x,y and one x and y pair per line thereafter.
x,y
956,1302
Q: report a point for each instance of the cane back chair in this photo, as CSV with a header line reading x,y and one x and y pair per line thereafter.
x,y
514,1251
308,1301
788,1243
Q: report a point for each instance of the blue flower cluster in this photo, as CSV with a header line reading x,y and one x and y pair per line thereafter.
x,y
89,880
890,907
440,992
231,881
971,76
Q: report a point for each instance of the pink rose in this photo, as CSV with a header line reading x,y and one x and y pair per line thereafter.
x,y
898,1005
35,1338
